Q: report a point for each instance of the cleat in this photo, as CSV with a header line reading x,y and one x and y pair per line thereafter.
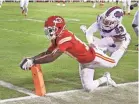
x,y
94,5
109,79
128,13
83,28
23,11
0,6
58,4
63,5
124,13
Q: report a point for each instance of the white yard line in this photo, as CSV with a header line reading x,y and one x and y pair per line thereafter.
x,y
17,99
16,88
63,92
66,81
72,19
21,32
99,88
136,69
34,20
135,51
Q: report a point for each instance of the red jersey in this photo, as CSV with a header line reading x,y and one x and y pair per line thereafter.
x,y
71,45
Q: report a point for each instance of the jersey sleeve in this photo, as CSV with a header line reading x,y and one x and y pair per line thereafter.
x,y
65,44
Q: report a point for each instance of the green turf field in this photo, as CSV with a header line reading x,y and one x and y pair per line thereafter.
x,y
21,37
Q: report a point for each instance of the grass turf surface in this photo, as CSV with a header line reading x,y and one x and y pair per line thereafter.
x,y
20,38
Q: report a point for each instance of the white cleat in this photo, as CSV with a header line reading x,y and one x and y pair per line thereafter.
x,y
63,5
83,28
0,6
94,6
109,79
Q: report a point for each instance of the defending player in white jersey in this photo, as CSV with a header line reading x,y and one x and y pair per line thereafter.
x,y
109,25
126,5
24,6
1,1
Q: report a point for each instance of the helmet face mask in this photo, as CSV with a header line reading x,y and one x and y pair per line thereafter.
x,y
54,26
111,18
109,23
50,32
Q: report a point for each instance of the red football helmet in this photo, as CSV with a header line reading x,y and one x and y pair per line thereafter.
x,y
54,26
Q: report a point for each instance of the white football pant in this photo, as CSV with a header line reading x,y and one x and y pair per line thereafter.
x,y
1,1
126,5
136,22
24,5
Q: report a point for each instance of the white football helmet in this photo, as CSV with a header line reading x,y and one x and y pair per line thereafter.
x,y
111,18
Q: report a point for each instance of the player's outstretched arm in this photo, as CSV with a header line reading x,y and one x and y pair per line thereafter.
x,y
42,58
48,57
42,54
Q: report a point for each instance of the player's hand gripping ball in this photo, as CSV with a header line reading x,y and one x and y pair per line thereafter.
x,y
26,63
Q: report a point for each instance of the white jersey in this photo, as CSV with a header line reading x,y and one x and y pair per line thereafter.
x,y
107,41
118,30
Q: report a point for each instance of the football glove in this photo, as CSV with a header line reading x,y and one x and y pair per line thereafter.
x,y
26,63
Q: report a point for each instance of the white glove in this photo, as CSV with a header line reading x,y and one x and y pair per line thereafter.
x,y
26,63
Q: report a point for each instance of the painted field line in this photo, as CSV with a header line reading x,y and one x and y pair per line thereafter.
x,y
34,20
17,99
66,81
63,92
12,20
70,20
133,51
16,88
136,69
21,32
99,88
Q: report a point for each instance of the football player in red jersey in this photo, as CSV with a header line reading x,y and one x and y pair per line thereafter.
x,y
64,41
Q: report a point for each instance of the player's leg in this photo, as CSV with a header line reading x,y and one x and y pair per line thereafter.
x,y
1,1
58,2
135,26
88,82
117,2
94,3
22,5
128,6
26,7
135,23
87,76
64,3
124,6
